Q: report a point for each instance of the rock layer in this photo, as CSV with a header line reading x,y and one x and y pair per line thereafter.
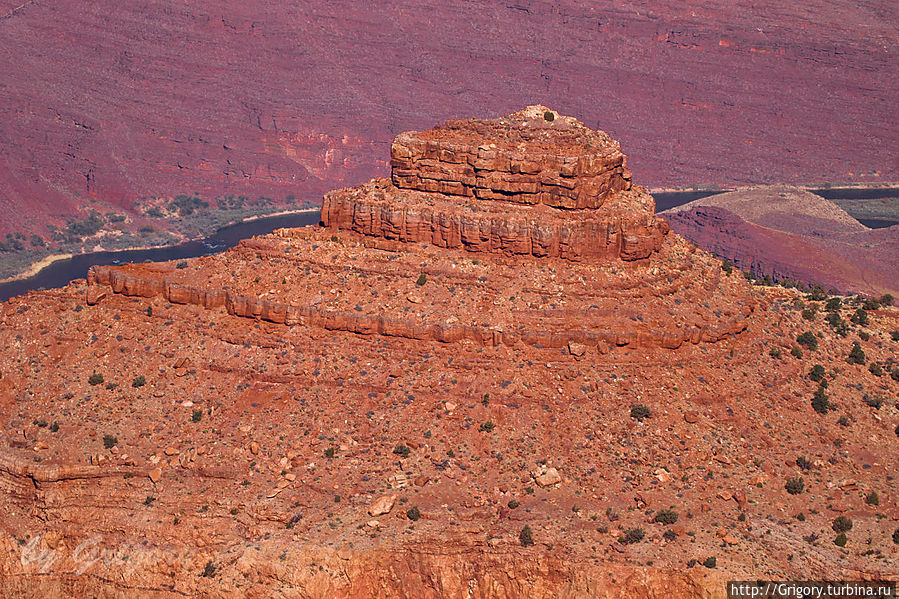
x,y
532,183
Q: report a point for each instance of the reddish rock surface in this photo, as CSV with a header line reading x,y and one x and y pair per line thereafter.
x,y
793,234
106,103
227,426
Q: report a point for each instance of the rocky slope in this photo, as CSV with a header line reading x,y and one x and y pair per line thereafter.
x,y
793,234
111,104
370,411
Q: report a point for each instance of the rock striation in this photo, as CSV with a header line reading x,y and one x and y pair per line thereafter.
x,y
534,182
534,185
394,406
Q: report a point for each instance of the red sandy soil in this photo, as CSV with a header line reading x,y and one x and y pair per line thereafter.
x,y
305,415
793,234
115,101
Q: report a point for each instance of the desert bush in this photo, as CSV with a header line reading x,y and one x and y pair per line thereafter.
x,y
803,463
856,354
95,379
413,514
833,304
526,536
110,441
840,540
486,427
795,485
775,353
640,412
816,373
821,401
402,450
841,524
808,340
886,300
422,279
872,498
860,317
197,415
796,352
631,535
139,381
665,517
710,562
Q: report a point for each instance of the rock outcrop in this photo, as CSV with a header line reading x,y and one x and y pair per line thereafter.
x,y
393,405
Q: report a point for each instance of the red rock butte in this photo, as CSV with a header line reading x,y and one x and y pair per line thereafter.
x,y
471,202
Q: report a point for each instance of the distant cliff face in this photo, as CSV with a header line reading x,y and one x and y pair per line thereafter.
x,y
793,234
106,103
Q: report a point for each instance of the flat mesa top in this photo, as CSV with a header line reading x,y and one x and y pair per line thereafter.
x,y
536,128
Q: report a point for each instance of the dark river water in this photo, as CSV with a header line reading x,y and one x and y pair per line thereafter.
x,y
62,271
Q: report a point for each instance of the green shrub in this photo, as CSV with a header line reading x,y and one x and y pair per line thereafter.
x,y
795,485
526,536
549,116
139,381
775,353
803,463
808,340
796,352
896,536
110,441
640,411
422,279
860,317
871,303
402,450
821,402
840,540
833,304
816,373
513,504
95,379
710,562
665,517
209,570
817,293
810,312
197,415
330,452
856,355
872,498
486,427
875,369
841,524
886,300
669,535
631,536
413,514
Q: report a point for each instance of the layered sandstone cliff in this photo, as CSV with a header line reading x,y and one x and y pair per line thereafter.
x,y
481,391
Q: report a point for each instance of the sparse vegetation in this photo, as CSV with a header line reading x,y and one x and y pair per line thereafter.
x,y
856,354
197,415
95,379
526,536
795,485
840,540
139,381
402,451
422,279
816,373
110,441
841,524
413,513
710,562
808,340
666,517
486,427
632,535
640,412
872,498
860,317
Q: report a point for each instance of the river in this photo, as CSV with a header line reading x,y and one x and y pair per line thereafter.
x,y
61,272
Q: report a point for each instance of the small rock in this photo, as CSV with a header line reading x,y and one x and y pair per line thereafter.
x,y
382,505
170,451
254,448
722,532
731,540
413,298
450,406
691,417
373,524
547,477
576,349
740,497
155,474
290,476
421,480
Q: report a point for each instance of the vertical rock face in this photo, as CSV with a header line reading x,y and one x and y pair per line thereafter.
x,y
534,182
